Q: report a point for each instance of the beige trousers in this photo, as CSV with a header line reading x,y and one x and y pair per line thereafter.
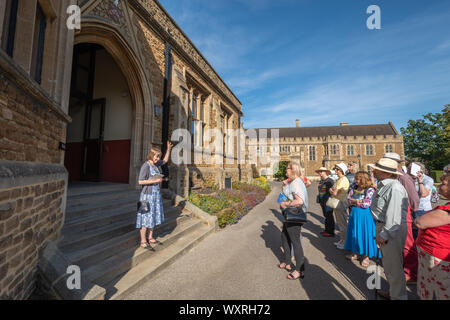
x,y
341,218
392,258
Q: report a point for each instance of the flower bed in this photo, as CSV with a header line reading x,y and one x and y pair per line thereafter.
x,y
231,205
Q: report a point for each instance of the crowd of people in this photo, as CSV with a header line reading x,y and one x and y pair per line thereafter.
x,y
385,214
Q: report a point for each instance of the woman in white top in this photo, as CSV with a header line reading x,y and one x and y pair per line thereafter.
x,y
290,234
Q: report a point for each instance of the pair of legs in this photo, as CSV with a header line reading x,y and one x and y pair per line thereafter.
x,y
341,216
144,239
392,259
329,218
290,235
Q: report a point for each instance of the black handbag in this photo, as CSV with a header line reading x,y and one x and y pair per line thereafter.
x,y
295,215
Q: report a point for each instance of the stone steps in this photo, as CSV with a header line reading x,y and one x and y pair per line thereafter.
x,y
100,236
102,250
112,267
102,206
96,218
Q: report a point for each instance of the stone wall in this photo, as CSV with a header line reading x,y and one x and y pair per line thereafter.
x,y
29,130
32,202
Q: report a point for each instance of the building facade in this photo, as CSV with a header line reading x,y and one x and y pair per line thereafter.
x,y
87,104
315,147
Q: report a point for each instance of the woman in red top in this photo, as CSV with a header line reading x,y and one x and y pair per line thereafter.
x,y
433,246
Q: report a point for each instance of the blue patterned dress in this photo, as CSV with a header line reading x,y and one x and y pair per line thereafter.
x,y
155,216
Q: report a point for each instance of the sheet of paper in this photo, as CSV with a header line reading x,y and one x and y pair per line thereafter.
x,y
414,169
405,170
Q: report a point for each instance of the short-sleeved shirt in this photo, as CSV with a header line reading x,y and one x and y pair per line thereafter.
x,y
425,203
324,189
144,174
342,183
297,187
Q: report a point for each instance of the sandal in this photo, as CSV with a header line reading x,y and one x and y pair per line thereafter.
x,y
146,245
284,266
365,263
291,277
154,240
352,257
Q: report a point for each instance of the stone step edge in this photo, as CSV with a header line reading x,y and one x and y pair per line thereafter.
x,y
77,256
85,209
72,239
150,267
74,190
94,194
92,218
129,258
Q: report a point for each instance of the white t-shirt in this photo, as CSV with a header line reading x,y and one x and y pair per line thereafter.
x,y
425,203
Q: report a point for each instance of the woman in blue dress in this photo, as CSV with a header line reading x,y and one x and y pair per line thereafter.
x,y
147,220
361,226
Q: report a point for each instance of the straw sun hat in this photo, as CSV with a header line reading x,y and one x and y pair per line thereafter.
x,y
323,169
386,165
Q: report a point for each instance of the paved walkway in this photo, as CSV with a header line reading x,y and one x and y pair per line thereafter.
x,y
241,262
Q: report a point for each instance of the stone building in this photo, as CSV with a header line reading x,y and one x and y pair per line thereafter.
x,y
315,147
87,104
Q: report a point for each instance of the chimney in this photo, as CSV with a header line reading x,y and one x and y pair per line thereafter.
x,y
297,123
344,124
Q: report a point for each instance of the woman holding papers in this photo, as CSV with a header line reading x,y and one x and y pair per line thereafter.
x,y
150,208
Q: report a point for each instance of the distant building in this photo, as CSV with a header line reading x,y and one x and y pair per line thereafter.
x,y
314,147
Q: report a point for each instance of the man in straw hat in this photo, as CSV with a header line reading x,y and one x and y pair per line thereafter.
x,y
325,184
389,207
410,258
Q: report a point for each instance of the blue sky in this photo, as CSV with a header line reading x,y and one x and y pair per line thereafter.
x,y
316,60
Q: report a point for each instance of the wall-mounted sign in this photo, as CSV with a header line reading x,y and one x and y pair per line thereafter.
x,y
62,146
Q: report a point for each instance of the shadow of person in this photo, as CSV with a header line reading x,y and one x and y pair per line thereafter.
x,y
320,285
278,214
271,235
355,275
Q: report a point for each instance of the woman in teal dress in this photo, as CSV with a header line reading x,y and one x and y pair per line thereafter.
x,y
360,239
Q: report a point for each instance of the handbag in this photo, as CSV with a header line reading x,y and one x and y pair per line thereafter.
x,y
295,215
332,202
143,206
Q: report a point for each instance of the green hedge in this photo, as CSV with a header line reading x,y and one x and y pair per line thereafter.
x,y
436,175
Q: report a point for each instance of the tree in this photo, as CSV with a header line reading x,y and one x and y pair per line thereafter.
x,y
428,139
281,173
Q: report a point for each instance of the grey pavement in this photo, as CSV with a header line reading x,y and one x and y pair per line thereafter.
x,y
241,261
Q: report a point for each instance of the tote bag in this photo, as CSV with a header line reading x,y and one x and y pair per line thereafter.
x,y
332,202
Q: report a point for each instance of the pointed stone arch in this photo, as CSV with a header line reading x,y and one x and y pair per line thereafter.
x,y
106,35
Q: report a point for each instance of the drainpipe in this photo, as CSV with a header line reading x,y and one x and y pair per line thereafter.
x,y
166,108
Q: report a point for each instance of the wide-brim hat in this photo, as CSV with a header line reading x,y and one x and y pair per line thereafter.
x,y
386,165
342,166
393,156
323,169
